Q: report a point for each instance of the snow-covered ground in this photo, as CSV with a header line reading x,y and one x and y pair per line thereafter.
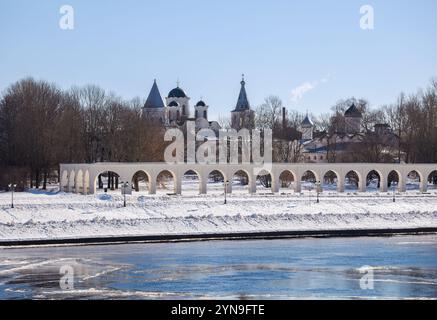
x,y
48,215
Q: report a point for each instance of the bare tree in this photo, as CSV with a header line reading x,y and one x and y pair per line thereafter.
x,y
268,115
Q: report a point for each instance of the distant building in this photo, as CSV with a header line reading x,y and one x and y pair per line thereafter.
x,y
176,111
307,128
348,142
243,116
353,118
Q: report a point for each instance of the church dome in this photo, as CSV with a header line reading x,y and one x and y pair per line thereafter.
x,y
201,104
177,93
173,104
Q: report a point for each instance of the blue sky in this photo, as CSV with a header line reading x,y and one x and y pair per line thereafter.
x,y
280,45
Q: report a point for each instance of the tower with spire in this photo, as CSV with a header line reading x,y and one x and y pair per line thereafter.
x,y
307,128
154,108
243,116
353,118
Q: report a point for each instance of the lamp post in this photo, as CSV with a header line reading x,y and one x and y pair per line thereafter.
x,y
124,187
12,186
226,189
394,192
318,184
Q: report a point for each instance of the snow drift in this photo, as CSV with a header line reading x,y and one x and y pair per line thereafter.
x,y
61,215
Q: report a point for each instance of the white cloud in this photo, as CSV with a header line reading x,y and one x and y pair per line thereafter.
x,y
298,92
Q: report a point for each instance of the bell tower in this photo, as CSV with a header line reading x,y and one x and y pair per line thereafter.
x,y
307,128
242,116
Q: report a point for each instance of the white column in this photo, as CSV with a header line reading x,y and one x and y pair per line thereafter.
x,y
84,185
275,185
402,186
383,184
424,185
362,184
152,186
70,181
92,186
297,186
77,184
340,185
252,185
178,185
229,187
203,185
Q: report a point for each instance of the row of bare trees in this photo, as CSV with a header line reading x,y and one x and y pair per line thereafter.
x,y
42,126
414,119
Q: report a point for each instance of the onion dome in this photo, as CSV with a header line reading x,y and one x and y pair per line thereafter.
x,y
177,93
201,104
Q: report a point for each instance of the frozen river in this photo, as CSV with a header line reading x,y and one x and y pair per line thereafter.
x,y
402,267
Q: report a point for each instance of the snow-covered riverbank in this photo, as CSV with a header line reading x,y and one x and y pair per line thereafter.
x,y
50,215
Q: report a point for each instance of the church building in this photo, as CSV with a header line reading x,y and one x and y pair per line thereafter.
x,y
176,111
